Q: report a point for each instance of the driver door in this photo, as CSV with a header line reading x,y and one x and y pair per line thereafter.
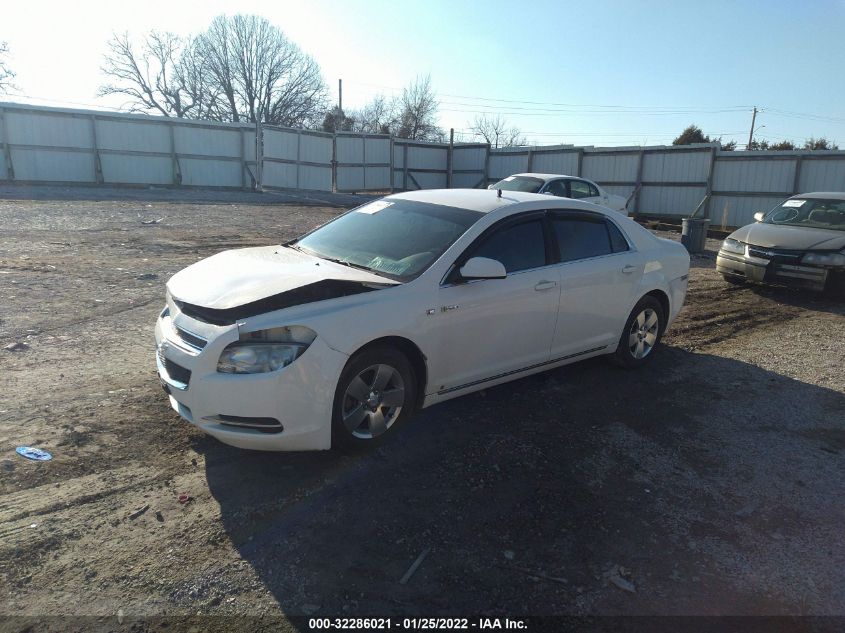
x,y
491,327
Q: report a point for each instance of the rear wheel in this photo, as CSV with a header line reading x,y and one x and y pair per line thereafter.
x,y
641,334
376,393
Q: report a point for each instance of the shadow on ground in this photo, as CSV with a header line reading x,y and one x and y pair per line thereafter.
x,y
681,488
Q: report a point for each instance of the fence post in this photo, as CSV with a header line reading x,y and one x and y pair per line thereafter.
x,y
392,164
364,150
174,157
98,166
450,158
580,161
530,160
334,162
796,181
405,167
242,137
298,155
7,151
709,191
487,167
259,156
638,187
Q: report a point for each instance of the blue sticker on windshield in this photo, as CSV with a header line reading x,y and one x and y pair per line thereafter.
x,y
33,453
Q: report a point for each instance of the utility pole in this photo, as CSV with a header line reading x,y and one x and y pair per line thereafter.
x,y
751,132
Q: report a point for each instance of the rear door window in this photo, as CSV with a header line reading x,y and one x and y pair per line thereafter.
x,y
580,189
581,238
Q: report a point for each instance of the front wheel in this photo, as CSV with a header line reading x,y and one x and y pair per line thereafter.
x,y
641,334
375,394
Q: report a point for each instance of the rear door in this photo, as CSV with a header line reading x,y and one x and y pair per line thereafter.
x,y
599,271
490,327
586,191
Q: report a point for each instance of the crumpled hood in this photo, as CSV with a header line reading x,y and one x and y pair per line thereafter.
x,y
237,277
790,237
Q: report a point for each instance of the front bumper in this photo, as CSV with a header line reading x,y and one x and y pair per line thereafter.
x,y
774,269
299,396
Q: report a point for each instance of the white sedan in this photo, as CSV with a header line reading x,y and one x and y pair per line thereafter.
x,y
338,337
564,187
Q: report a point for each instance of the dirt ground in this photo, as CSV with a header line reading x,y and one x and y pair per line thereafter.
x,y
710,482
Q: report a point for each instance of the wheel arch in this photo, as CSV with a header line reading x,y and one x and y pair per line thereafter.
x,y
663,299
412,352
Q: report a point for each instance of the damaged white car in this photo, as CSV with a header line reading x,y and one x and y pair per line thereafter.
x,y
340,336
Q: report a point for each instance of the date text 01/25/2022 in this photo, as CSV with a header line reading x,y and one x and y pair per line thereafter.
x,y
435,624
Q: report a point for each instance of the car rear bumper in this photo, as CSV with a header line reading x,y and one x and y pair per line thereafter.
x,y
285,410
771,271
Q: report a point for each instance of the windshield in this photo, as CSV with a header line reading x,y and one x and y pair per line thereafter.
x,y
811,212
519,183
396,238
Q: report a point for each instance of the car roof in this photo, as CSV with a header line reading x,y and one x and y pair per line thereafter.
x,y
488,200
545,176
822,195
482,200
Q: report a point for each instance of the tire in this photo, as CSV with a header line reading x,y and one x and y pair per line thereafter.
x,y
736,280
376,393
641,334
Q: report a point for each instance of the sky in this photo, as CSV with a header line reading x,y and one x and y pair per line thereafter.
x,y
594,72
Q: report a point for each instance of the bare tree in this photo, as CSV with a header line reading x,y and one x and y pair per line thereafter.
x,y
496,133
152,75
260,74
7,75
417,117
241,68
379,116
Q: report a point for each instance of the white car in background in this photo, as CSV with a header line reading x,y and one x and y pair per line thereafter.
x,y
564,187
336,338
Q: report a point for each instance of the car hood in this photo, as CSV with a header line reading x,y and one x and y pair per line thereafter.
x,y
247,275
790,237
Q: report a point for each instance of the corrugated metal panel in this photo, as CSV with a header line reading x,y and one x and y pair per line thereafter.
x,y
151,170
669,200
621,190
739,210
249,145
350,149
207,142
429,180
282,175
555,163
281,144
427,157
676,166
469,158
133,135
468,181
57,130
378,151
377,179
350,178
609,168
53,165
753,175
822,175
210,173
314,149
503,165
315,178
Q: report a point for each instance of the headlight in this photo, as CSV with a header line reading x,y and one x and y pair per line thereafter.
x,y
265,350
731,245
824,259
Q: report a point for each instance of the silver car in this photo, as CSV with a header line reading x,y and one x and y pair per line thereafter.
x,y
800,243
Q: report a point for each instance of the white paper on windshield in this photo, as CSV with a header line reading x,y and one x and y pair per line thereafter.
x,y
508,179
794,203
374,207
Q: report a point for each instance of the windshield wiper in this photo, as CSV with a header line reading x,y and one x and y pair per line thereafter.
x,y
348,263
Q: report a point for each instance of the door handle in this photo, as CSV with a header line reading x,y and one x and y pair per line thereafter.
x,y
545,285
628,269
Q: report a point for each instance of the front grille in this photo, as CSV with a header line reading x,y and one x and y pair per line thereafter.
x,y
775,254
174,371
190,338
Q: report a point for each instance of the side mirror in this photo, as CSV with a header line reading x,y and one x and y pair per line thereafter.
x,y
483,268
758,217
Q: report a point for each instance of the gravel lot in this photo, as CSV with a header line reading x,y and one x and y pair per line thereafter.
x,y
708,483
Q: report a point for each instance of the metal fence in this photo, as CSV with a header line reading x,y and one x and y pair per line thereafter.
x,y
59,145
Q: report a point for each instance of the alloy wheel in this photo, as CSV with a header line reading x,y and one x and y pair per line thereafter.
x,y
643,333
373,401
